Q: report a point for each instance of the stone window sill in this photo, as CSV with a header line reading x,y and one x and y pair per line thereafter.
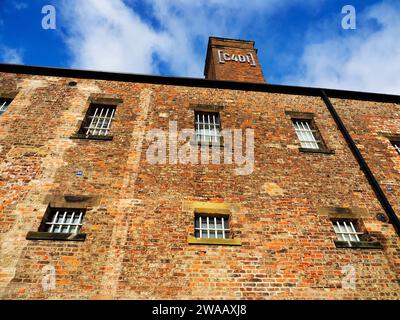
x,y
359,245
323,151
91,137
55,236
206,241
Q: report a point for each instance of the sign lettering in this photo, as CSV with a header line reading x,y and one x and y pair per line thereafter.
x,y
224,57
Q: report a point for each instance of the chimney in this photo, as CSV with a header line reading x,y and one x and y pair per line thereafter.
x,y
231,59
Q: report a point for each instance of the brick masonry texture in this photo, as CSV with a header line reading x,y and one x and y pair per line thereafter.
x,y
137,228
139,216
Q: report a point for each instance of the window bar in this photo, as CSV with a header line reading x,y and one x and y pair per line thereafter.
x,y
348,231
300,134
96,121
53,223
91,122
78,223
2,108
216,135
109,123
308,135
209,129
60,224
96,126
312,136
345,235
341,234
69,223
397,146
196,126
104,120
344,232
200,227
350,236
204,130
216,228
208,227
201,128
223,228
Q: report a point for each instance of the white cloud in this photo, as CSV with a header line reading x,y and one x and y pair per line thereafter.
x,y
110,35
107,35
368,60
9,55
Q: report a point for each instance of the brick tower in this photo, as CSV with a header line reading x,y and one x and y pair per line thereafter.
x,y
231,59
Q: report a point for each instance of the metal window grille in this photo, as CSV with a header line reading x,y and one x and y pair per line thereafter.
x,y
65,221
396,145
213,227
345,231
3,105
98,122
207,125
307,134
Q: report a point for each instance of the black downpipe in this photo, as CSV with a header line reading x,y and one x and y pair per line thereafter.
x,y
363,164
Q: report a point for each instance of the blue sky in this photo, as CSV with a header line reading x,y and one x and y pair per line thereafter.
x,y
300,42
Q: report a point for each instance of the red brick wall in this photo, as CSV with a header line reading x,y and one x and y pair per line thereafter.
x,y
233,69
137,228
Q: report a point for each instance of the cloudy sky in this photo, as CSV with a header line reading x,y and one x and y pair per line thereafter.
x,y
300,42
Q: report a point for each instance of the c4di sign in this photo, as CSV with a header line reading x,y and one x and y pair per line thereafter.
x,y
224,57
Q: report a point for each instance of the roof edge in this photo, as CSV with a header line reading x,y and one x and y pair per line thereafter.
x,y
196,82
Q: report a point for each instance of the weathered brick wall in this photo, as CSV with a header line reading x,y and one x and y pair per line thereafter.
x,y
138,225
372,126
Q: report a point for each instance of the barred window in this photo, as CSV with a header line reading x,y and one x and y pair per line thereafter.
x,y
346,231
212,227
64,220
4,103
98,120
207,126
308,134
396,145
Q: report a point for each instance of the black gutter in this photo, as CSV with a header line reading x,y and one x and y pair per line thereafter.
x,y
196,82
363,164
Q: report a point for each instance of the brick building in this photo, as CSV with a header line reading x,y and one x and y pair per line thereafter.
x,y
84,214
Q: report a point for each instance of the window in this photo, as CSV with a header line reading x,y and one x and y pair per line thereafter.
x,y
207,126
4,103
346,231
212,227
307,134
347,223
63,220
98,120
396,145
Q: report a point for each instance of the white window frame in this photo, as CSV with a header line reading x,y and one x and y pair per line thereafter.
x,y
65,221
307,134
211,230
4,103
207,127
346,231
100,121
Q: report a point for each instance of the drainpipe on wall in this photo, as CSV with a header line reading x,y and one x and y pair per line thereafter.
x,y
363,164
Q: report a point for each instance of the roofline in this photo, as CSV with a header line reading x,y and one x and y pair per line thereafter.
x,y
230,39
196,82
